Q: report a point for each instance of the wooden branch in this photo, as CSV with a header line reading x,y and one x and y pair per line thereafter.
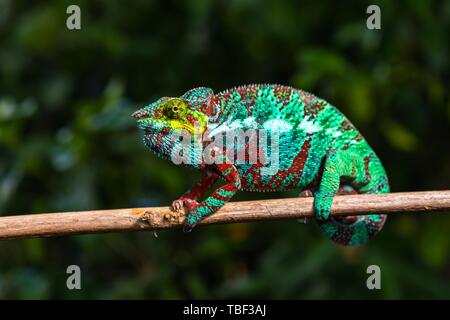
x,y
64,223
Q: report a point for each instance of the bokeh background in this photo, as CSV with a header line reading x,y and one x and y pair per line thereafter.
x,y
67,141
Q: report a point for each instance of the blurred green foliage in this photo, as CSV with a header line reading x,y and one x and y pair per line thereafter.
x,y
67,141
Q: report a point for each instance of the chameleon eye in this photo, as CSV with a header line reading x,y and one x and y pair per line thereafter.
x,y
173,112
175,109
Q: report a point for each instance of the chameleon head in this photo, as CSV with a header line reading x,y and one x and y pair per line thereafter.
x,y
166,119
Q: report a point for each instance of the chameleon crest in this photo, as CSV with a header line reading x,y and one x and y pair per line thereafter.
x,y
317,151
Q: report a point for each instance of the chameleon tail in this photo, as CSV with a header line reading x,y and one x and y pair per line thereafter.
x,y
355,230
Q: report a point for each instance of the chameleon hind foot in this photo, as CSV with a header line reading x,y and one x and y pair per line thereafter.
x,y
192,218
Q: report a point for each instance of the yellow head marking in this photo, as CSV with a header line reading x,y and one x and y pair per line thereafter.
x,y
179,116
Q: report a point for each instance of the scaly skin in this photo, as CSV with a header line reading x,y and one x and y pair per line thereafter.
x,y
320,151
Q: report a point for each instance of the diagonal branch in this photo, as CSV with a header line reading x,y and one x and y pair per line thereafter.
x,y
119,220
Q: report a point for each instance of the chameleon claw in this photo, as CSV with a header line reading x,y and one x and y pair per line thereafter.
x,y
306,193
177,205
188,203
322,215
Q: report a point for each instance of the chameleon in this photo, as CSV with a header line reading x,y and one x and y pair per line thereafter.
x,y
319,152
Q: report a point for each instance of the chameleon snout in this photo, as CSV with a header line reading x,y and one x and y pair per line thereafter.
x,y
140,114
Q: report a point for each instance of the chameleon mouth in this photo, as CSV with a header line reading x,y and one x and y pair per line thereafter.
x,y
152,126
143,120
148,125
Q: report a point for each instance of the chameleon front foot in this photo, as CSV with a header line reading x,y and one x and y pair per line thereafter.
x,y
178,204
192,218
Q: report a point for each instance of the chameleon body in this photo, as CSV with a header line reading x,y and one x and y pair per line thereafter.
x,y
319,152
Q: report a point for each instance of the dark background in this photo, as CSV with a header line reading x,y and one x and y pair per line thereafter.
x,y
67,141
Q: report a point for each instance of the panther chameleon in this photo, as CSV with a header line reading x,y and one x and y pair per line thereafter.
x,y
320,152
